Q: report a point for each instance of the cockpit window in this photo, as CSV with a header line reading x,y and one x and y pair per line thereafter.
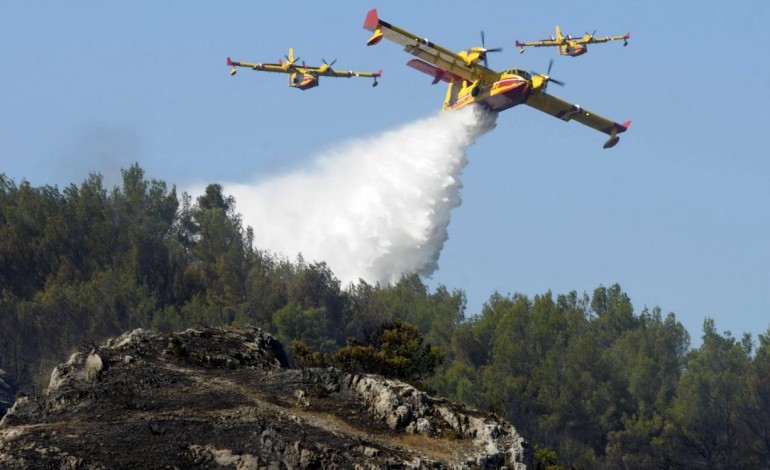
x,y
519,72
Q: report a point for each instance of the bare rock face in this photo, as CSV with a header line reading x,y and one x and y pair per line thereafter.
x,y
227,398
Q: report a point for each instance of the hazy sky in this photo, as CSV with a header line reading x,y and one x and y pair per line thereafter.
x,y
677,213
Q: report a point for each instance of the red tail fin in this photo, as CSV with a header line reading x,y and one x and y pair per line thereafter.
x,y
372,20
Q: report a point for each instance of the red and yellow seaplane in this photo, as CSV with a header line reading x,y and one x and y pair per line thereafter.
x,y
470,82
569,46
302,76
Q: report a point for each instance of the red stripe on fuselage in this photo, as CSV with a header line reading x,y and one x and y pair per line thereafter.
x,y
506,84
307,82
506,93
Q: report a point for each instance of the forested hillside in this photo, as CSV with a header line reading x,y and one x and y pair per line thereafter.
x,y
587,380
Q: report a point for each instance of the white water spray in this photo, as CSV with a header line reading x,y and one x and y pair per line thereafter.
x,y
373,208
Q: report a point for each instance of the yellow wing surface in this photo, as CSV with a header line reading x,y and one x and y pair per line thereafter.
x,y
567,111
461,65
590,39
326,71
279,68
543,43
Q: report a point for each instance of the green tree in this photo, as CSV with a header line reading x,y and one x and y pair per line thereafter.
x,y
308,325
755,410
507,378
613,312
220,264
266,288
702,420
647,364
462,382
546,459
147,212
30,237
367,309
89,231
396,350
307,357
315,287
436,314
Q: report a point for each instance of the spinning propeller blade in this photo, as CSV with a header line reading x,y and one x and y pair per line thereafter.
x,y
485,50
327,64
547,76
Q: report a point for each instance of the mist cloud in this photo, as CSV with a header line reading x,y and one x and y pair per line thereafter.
x,y
372,208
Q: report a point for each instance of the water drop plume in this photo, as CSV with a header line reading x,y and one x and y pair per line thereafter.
x,y
372,208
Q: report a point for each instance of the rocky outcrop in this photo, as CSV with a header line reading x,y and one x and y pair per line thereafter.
x,y
227,398
7,392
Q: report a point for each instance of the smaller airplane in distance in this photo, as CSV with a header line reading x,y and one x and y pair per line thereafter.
x,y
569,46
300,75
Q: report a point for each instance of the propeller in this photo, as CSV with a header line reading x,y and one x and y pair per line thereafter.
x,y
328,65
591,36
547,76
485,50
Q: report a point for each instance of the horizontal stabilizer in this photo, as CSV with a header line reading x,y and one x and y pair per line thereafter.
x,y
435,72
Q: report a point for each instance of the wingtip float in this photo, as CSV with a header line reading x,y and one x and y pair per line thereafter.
x,y
614,138
470,82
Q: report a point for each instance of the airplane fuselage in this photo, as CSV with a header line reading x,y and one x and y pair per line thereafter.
x,y
572,49
303,81
512,88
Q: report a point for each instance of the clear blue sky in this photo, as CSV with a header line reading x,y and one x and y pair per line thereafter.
x,y
677,213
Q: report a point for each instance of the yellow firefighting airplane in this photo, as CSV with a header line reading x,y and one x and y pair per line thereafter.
x,y
302,76
569,46
471,82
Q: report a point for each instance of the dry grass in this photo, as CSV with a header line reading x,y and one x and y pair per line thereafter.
x,y
435,448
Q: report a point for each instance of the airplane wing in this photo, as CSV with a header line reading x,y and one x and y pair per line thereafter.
x,y
441,57
435,72
263,67
329,72
567,112
544,42
593,40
